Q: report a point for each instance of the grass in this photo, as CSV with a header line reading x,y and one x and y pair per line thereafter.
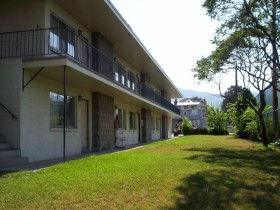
x,y
193,172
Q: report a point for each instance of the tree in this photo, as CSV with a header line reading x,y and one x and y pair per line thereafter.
x,y
187,128
216,120
241,115
247,41
230,96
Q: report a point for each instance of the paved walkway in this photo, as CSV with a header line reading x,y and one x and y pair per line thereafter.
x,y
48,163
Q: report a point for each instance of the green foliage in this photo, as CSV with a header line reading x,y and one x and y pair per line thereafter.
x,y
200,131
216,121
215,131
244,118
186,127
230,97
250,122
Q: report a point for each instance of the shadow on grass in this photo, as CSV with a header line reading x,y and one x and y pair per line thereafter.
x,y
236,180
3,173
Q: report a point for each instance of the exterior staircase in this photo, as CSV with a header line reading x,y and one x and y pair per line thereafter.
x,y
8,155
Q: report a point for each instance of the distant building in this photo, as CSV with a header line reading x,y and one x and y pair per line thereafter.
x,y
194,110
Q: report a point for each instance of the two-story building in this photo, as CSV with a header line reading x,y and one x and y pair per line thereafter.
x,y
67,69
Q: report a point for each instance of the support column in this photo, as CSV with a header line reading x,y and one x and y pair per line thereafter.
x,y
164,130
146,125
102,121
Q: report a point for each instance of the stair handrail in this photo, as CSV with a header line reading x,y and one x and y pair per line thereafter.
x,y
12,114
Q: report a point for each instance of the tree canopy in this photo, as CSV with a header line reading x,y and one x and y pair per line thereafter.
x,y
247,40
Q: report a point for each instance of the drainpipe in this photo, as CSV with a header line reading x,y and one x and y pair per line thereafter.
x,y
64,110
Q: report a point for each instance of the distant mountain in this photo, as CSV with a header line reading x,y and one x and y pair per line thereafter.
x,y
211,99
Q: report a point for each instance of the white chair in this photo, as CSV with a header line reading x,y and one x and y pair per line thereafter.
x,y
121,140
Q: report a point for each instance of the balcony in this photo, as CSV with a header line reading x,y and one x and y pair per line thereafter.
x,y
53,42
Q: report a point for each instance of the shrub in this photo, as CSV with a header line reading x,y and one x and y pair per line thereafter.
x,y
216,131
186,126
250,122
200,131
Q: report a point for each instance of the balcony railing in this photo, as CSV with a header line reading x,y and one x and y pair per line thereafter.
x,y
65,42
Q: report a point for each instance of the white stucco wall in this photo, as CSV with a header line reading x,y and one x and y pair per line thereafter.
x,y
21,15
10,92
38,140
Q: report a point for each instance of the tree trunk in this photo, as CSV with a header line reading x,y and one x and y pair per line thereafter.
x,y
274,71
261,119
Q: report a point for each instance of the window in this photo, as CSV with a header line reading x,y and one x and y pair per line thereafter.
x,y
117,76
57,111
62,38
132,120
123,79
194,112
122,118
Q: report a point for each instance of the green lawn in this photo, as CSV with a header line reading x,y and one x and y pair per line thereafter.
x,y
193,172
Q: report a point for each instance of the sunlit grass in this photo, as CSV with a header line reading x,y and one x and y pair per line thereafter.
x,y
193,172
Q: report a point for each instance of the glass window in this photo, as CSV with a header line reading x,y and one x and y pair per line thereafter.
x,y
57,111
194,112
122,118
132,120
62,37
117,76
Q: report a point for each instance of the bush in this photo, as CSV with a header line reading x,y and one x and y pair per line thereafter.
x,y
186,127
215,131
200,131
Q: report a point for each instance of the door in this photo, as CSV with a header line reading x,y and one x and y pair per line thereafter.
x,y
84,126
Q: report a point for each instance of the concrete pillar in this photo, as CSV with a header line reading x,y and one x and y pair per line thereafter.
x,y
146,126
164,130
102,121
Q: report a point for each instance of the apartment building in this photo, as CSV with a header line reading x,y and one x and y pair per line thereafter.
x,y
67,69
194,110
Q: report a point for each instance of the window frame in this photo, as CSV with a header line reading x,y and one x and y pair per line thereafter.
x,y
122,118
70,124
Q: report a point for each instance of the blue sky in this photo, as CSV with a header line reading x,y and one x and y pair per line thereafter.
x,y
177,33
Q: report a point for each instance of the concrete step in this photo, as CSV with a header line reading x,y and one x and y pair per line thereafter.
x,y
9,154
14,161
2,139
5,146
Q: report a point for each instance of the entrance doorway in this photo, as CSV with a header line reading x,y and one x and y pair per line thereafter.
x,y
84,125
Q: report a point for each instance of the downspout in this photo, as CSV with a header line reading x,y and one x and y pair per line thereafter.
x,y
64,110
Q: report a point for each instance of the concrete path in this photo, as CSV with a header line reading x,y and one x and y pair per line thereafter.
x,y
48,163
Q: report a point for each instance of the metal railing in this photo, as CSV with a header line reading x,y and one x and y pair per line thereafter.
x,y
65,42
10,112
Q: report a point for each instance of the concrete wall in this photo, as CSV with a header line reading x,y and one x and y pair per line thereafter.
x,y
10,93
38,140
21,15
